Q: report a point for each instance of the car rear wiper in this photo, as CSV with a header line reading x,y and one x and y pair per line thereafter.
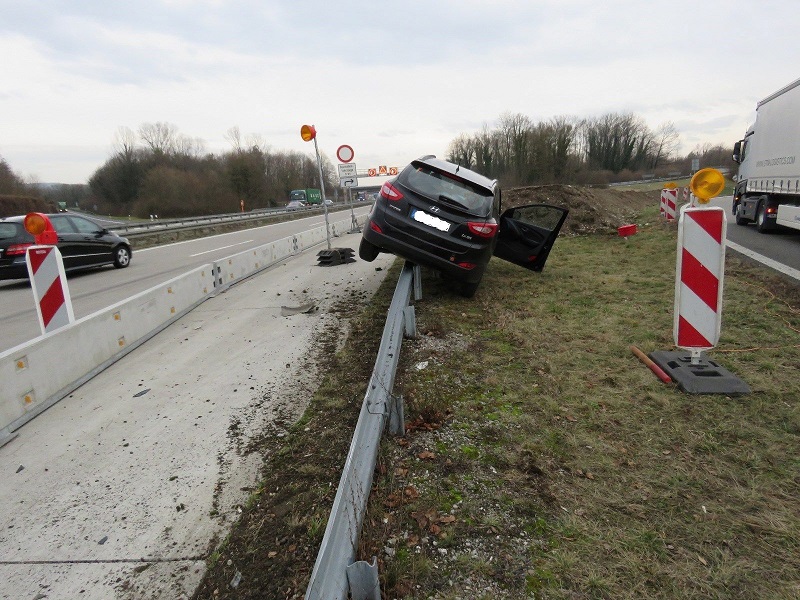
x,y
451,201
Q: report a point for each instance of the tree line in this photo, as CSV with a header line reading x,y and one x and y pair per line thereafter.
x,y
157,170
598,150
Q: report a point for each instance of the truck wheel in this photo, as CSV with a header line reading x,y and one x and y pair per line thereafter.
x,y
761,219
367,250
740,220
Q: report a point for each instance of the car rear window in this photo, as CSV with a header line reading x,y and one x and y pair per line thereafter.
x,y
448,189
8,231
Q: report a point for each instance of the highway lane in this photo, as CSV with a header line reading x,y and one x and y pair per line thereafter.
x,y
99,288
782,245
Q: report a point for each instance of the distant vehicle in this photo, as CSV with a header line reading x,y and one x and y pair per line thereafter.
x,y
328,201
438,214
295,205
83,244
307,196
768,187
361,196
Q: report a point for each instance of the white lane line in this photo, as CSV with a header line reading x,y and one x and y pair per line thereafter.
x,y
794,273
220,248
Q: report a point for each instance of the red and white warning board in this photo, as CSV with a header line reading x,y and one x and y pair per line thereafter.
x,y
699,275
669,201
49,285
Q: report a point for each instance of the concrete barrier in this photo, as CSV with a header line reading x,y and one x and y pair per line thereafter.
x,y
37,374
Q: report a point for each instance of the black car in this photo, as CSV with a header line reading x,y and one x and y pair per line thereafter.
x,y
438,214
81,242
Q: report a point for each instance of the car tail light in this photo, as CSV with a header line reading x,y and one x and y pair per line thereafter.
x,y
771,210
466,265
390,192
484,229
17,249
376,228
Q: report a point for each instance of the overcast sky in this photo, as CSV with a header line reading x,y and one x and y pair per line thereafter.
x,y
393,80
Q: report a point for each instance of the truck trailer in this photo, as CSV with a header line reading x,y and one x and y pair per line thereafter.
x,y
768,185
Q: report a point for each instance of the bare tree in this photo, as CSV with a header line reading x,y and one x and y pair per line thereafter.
x,y
159,137
667,139
234,137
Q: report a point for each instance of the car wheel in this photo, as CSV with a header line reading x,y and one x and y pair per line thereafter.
x,y
468,289
368,251
122,257
761,218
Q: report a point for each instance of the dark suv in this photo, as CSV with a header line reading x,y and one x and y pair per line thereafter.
x,y
440,215
81,242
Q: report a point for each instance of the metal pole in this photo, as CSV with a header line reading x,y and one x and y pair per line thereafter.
x,y
322,188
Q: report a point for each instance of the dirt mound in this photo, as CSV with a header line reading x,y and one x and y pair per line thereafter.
x,y
591,210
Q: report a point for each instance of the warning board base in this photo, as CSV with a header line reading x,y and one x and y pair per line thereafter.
x,y
335,256
705,377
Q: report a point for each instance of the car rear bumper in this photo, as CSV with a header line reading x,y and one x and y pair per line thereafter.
x,y
14,270
394,241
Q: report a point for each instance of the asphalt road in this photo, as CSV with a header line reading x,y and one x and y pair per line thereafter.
x,y
123,488
782,246
96,289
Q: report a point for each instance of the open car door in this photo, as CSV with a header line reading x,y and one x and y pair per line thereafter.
x,y
527,233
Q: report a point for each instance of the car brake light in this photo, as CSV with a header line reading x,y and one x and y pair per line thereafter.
x,y
17,249
390,192
771,210
484,229
466,265
376,228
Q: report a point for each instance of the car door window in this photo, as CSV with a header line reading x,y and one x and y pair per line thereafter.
x,y
86,226
62,225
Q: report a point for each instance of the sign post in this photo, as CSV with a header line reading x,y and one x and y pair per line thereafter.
x,y
331,256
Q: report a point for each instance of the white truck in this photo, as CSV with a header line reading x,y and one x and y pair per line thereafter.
x,y
768,186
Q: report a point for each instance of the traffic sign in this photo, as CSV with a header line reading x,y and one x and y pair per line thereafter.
x,y
348,182
345,153
347,170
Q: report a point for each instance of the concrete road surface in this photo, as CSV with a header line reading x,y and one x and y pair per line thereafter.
x,y
111,492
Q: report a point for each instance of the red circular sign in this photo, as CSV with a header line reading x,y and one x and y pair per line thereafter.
x,y
345,153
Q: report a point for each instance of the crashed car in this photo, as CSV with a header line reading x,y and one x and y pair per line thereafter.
x,y
446,217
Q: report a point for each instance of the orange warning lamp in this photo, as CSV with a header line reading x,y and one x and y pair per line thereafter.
x,y
308,133
670,186
40,227
706,184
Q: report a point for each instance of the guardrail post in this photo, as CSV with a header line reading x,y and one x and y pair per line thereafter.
x,y
363,580
417,282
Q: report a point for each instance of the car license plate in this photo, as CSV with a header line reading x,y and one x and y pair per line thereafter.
x,y
430,220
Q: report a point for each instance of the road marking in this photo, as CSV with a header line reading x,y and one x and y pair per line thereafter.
x,y
774,264
220,248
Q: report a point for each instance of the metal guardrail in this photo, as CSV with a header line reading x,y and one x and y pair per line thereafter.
x,y
166,224
159,225
335,571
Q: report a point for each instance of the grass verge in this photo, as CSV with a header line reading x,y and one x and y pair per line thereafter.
x,y
542,459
